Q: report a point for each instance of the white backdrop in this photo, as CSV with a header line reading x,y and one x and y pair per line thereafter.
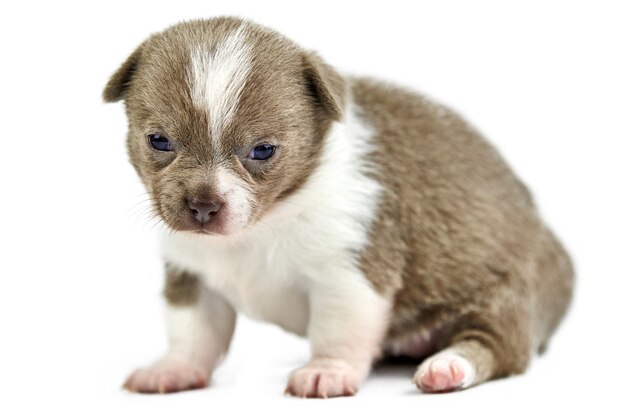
x,y
79,291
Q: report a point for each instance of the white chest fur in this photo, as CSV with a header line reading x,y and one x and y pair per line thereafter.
x,y
305,244
248,275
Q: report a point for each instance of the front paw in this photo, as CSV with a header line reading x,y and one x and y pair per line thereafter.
x,y
168,375
324,378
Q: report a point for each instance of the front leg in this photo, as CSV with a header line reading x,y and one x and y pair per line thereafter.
x,y
348,320
200,325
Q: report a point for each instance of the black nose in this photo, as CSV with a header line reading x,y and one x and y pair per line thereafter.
x,y
204,211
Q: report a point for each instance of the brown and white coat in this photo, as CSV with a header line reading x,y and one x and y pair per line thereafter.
x,y
383,224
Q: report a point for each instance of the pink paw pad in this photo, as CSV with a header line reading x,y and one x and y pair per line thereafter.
x,y
444,373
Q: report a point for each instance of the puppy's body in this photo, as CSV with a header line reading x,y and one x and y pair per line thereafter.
x,y
383,225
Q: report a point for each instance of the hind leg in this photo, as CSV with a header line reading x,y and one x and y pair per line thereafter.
x,y
481,348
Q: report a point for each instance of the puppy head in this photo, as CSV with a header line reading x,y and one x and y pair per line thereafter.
x,y
226,118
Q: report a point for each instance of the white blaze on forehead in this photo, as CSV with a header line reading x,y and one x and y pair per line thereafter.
x,y
217,77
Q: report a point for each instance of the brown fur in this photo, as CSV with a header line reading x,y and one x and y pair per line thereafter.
x,y
457,245
476,258
181,287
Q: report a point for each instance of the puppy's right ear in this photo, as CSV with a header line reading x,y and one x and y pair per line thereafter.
x,y
120,81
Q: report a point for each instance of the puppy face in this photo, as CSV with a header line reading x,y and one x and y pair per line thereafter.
x,y
226,118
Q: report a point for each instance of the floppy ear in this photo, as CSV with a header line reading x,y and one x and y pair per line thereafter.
x,y
326,84
119,82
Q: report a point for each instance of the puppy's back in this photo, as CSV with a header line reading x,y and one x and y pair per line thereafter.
x,y
466,226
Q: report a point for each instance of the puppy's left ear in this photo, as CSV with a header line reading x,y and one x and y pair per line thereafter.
x,y
326,84
117,86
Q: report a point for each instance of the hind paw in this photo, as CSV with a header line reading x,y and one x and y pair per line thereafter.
x,y
444,372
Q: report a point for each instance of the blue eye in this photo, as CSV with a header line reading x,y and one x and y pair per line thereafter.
x,y
262,152
160,142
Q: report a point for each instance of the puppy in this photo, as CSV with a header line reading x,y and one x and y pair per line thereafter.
x,y
355,213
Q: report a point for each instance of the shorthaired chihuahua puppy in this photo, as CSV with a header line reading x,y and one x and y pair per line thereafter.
x,y
361,215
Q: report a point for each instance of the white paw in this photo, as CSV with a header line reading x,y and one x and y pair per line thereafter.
x,y
168,375
444,372
324,378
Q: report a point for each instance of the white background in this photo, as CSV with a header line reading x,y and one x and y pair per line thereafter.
x,y
80,283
